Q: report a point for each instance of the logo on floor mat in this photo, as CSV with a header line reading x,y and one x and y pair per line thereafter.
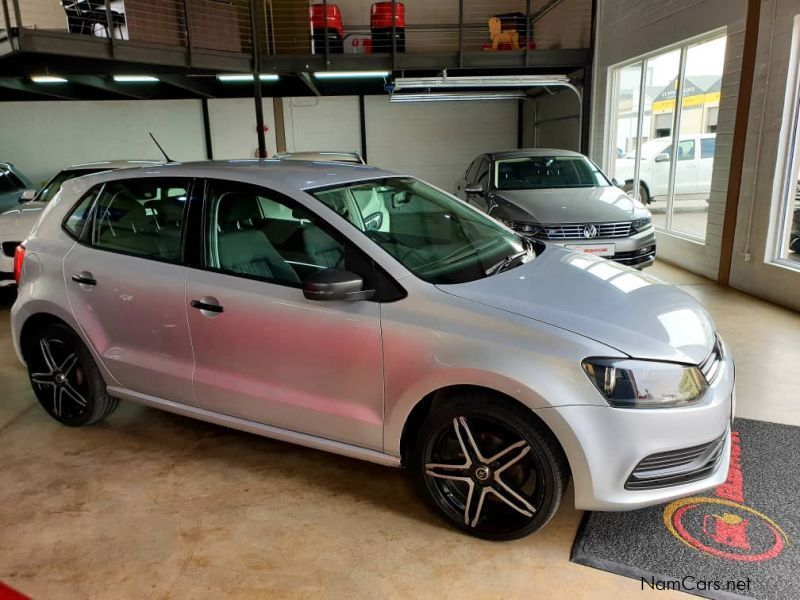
x,y
723,526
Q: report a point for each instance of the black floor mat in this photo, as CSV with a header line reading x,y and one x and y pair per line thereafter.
x,y
739,540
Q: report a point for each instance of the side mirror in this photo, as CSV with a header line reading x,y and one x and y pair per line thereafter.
x,y
335,284
476,189
615,182
663,157
27,195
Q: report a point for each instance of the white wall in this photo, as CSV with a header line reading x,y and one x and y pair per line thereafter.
x,y
630,28
436,141
44,137
761,173
233,127
322,123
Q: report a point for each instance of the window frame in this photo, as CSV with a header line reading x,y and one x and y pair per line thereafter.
x,y
84,238
388,289
612,101
785,185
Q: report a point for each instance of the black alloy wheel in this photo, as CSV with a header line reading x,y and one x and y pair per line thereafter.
x,y
490,469
66,379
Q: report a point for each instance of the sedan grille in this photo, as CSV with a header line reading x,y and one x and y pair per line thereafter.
x,y
9,248
579,231
677,467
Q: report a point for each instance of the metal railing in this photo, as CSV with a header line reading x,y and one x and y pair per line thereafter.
x,y
321,27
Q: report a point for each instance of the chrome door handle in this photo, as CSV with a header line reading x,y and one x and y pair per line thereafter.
x,y
207,306
84,278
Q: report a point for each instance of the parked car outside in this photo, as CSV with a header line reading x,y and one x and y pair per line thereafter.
x,y
489,364
12,185
563,198
692,171
794,237
17,222
345,157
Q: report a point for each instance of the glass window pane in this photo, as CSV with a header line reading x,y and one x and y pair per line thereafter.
x,y
624,134
698,124
661,76
143,217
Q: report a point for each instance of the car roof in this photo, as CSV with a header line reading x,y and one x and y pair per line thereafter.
x,y
320,155
533,152
291,174
114,164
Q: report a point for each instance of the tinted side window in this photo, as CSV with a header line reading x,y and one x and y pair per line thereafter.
x,y
76,221
258,233
707,147
5,183
143,217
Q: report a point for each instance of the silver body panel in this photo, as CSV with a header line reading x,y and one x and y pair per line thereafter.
x,y
344,377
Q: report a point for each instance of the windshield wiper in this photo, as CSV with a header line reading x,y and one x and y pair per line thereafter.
x,y
505,263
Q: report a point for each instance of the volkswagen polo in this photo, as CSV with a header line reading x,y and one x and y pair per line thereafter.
x,y
365,313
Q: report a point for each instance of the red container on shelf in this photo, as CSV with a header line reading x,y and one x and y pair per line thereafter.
x,y
381,16
317,14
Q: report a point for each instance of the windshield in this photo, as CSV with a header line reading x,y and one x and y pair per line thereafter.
x,y
542,172
53,186
434,235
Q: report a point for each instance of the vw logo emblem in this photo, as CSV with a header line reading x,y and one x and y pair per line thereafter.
x,y
589,232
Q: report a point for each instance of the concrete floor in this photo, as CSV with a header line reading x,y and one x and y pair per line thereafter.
x,y
153,505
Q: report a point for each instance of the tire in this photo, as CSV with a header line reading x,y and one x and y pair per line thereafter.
x,y
644,194
66,379
462,449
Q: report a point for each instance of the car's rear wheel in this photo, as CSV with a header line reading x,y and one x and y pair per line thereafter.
x,y
489,468
66,379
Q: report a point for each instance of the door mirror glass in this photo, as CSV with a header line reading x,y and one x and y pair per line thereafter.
x,y
27,195
475,189
663,157
335,284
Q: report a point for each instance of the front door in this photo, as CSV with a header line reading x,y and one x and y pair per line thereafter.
x,y
126,286
263,351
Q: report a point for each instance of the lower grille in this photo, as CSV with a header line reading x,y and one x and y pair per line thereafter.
x,y
677,467
577,231
636,257
9,248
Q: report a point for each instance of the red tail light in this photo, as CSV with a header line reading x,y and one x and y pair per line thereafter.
x,y
19,258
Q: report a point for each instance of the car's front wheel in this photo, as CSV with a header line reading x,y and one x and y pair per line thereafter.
x,y
66,379
644,194
488,467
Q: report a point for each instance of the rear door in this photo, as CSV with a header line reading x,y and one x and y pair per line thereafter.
x,y
126,284
263,351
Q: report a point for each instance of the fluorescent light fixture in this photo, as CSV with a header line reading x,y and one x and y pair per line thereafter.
x,y
490,81
350,74
47,79
244,77
135,79
457,96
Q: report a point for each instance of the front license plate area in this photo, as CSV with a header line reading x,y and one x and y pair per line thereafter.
x,y
595,249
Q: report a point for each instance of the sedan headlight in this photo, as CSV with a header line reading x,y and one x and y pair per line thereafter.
x,y
642,224
627,383
523,228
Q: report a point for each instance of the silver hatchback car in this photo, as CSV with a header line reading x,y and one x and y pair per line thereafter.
x,y
366,313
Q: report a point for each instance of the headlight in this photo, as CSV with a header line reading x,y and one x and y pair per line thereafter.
x,y
642,224
524,228
627,383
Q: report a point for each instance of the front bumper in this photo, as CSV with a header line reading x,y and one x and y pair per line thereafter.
x,y
605,445
638,250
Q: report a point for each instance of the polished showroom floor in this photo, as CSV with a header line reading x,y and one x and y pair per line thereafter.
x,y
154,505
